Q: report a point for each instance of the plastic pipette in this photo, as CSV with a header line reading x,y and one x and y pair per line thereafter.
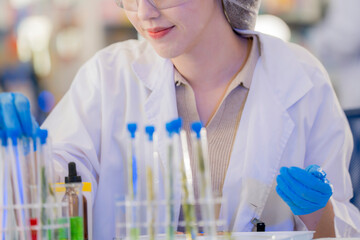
x,y
9,219
45,179
3,194
18,176
4,184
31,185
132,184
150,184
201,153
169,184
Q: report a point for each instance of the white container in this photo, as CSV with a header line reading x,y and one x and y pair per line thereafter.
x,y
295,235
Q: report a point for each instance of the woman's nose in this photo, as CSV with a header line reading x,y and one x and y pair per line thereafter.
x,y
147,10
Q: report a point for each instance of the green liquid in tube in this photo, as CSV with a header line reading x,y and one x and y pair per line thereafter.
x,y
170,233
77,228
63,232
134,233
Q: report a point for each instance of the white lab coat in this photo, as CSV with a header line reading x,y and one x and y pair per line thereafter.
x,y
291,118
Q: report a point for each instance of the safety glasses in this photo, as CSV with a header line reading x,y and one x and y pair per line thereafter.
x,y
132,5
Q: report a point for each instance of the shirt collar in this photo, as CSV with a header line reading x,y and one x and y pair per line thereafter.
x,y
242,77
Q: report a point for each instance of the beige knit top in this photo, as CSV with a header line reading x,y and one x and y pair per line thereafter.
x,y
223,125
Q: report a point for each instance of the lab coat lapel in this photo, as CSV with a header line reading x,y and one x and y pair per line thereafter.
x,y
263,133
157,74
159,96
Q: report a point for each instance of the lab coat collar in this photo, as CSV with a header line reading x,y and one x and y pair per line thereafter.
x,y
287,67
149,67
157,74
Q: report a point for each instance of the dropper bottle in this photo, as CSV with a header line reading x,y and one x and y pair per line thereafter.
x,y
77,203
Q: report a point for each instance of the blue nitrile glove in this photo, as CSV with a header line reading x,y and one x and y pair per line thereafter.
x,y
15,114
305,191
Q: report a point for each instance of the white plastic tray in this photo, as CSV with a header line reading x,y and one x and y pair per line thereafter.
x,y
296,235
273,235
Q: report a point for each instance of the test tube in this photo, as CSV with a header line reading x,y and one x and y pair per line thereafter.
x,y
6,191
3,189
18,175
200,146
150,182
169,182
9,220
28,145
49,216
132,211
187,185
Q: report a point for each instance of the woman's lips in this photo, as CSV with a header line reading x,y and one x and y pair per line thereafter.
x,y
157,33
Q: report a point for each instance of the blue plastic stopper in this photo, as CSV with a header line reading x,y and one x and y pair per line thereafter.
x,y
42,134
132,127
3,138
177,125
150,132
196,127
13,134
170,128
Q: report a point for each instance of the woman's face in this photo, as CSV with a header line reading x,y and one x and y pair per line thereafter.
x,y
177,30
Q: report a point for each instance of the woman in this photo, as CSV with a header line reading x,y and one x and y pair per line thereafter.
x,y
266,104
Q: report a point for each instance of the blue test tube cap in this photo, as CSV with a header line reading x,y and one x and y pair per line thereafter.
x,y
177,125
132,127
170,128
316,171
150,132
3,138
196,127
42,134
13,134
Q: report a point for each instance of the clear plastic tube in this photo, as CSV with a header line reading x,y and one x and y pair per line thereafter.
x,y
169,183
188,190
132,211
8,214
200,146
150,183
18,175
3,189
25,210
45,181
32,183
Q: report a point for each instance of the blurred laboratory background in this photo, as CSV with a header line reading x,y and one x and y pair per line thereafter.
x,y
44,42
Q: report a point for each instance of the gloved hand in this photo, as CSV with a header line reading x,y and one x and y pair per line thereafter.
x,y
15,115
305,191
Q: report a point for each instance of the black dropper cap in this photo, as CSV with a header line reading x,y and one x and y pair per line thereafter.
x,y
73,177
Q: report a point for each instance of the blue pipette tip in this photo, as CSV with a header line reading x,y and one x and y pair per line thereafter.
x,y
13,134
196,127
170,128
150,132
132,127
42,134
3,138
177,125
